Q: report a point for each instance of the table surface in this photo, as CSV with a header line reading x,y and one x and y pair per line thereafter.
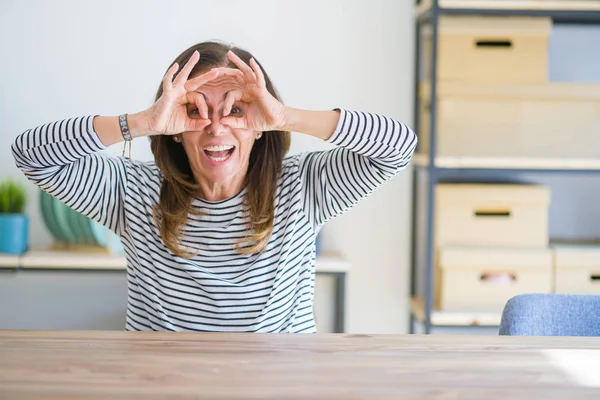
x,y
151,365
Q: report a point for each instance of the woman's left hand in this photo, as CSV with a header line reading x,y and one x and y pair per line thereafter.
x,y
263,113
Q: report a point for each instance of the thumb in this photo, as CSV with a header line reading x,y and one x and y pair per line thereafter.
x,y
197,124
235,122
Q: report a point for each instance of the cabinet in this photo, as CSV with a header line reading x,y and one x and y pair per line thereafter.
x,y
68,290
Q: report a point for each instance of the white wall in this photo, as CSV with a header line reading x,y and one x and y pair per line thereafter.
x,y
66,58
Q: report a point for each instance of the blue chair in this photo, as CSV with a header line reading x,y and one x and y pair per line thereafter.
x,y
551,315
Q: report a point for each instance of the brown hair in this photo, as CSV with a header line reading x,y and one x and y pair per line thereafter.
x,y
179,187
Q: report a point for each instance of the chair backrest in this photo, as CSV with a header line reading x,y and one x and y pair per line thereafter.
x,y
551,315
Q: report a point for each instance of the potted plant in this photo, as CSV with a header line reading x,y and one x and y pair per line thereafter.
x,y
14,225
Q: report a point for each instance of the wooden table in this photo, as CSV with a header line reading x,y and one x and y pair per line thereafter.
x,y
129,365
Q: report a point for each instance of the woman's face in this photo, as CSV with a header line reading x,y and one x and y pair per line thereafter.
x,y
218,154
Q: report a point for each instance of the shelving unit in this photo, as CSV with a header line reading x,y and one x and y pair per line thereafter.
x,y
431,168
509,164
576,10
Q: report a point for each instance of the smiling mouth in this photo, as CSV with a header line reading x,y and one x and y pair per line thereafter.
x,y
219,153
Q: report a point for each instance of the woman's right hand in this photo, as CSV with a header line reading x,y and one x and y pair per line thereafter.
x,y
168,115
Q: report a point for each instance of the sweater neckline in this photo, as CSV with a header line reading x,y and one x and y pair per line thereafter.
x,y
235,200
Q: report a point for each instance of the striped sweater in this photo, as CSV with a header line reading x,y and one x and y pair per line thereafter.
x,y
218,289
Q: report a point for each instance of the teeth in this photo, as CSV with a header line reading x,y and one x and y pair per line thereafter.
x,y
218,159
219,148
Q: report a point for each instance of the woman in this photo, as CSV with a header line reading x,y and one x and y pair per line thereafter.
x,y
220,230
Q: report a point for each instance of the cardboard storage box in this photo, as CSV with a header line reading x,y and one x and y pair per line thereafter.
x,y
577,269
470,214
554,120
503,49
478,279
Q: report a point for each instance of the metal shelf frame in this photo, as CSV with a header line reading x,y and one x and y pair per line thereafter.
x,y
436,174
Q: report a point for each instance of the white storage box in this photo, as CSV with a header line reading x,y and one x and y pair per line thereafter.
x,y
505,49
554,120
511,215
482,279
577,269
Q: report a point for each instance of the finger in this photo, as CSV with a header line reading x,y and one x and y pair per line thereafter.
x,y
198,100
235,122
216,74
237,76
230,72
248,73
202,107
200,80
168,78
185,72
197,124
258,71
232,97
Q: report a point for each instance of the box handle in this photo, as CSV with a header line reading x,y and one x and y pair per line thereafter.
x,y
492,213
493,44
498,277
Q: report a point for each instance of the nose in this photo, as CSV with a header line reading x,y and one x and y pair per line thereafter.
x,y
216,128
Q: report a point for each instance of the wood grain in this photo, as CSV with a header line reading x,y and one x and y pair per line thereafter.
x,y
151,365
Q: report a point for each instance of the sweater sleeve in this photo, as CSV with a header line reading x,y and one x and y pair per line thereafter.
x,y
370,150
63,159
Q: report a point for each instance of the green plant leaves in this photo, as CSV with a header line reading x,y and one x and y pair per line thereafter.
x,y
12,198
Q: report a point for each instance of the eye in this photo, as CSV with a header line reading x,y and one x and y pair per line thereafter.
x,y
235,110
193,112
